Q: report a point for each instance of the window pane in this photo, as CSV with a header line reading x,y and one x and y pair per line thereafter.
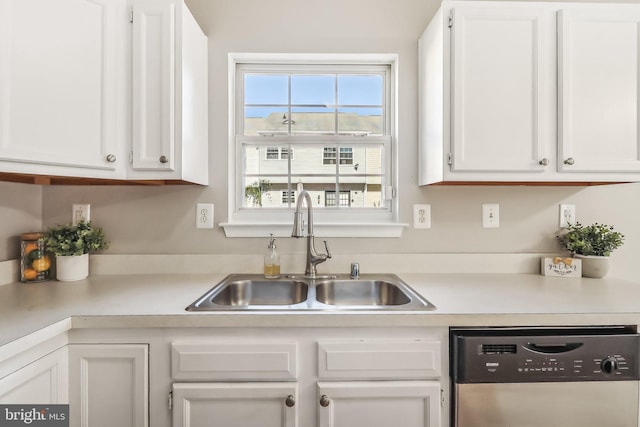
x,y
329,156
286,152
273,153
361,195
317,114
310,159
310,121
360,121
345,156
265,120
264,160
260,89
264,191
360,90
313,90
364,160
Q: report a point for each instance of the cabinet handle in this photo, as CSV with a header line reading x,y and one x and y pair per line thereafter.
x,y
163,159
290,401
111,158
544,162
569,161
324,401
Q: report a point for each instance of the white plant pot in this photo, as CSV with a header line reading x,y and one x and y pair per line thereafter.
x,y
594,266
72,267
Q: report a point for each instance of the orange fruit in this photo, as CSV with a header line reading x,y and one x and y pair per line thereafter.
x,y
41,264
29,274
29,247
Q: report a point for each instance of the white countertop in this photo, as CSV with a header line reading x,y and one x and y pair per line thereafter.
x,y
149,301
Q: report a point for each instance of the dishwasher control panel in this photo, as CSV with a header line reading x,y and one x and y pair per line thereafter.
x,y
523,355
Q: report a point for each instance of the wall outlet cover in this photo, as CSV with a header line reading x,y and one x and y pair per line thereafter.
x,y
204,215
421,216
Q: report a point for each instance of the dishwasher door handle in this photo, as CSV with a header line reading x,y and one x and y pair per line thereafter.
x,y
553,348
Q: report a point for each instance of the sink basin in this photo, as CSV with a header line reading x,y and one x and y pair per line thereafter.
x,y
360,292
379,292
252,293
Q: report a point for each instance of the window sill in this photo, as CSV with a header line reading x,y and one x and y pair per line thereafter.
x,y
384,229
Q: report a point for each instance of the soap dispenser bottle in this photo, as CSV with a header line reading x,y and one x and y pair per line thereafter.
x,y
272,261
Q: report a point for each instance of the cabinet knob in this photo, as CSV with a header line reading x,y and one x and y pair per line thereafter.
x,y
569,161
290,401
544,162
111,158
163,159
324,401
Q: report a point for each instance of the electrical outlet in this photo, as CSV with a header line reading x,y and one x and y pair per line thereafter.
x,y
490,215
80,212
567,215
421,216
204,215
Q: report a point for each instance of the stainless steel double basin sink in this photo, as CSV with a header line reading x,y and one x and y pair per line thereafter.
x,y
331,292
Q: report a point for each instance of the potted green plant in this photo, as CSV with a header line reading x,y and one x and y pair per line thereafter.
x,y
71,244
593,244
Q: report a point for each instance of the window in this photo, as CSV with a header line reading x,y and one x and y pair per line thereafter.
x,y
329,156
339,119
288,197
330,198
278,153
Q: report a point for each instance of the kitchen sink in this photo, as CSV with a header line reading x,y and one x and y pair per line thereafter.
x,y
378,292
260,292
360,292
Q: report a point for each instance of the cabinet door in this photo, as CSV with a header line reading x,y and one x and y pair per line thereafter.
x,y
497,89
154,86
379,404
41,382
108,385
235,404
598,85
58,84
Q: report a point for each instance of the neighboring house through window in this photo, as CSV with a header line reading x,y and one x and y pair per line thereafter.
x,y
337,116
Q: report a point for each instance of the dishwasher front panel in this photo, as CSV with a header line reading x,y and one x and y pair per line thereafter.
x,y
548,404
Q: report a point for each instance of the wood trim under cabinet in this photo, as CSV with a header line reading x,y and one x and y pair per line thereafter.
x,y
67,180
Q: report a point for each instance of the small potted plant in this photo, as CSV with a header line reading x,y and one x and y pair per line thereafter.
x,y
71,245
593,244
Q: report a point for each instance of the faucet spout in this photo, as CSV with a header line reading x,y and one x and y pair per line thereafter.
x,y
313,257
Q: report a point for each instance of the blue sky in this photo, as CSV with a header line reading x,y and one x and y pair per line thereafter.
x,y
312,91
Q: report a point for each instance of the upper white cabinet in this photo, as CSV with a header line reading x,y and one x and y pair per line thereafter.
x,y
169,94
106,89
503,98
60,88
498,80
598,66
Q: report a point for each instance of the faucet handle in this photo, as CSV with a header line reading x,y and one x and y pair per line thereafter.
x,y
326,246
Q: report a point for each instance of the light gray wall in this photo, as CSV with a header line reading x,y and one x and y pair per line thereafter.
x,y
161,219
20,212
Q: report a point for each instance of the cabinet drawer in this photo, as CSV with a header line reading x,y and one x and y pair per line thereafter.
x,y
416,359
234,361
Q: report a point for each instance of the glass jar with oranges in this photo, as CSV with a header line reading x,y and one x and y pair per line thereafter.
x,y
35,263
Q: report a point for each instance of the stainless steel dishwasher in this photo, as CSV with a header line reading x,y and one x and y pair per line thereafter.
x,y
545,377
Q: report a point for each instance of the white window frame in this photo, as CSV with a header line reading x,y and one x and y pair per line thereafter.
x,y
360,222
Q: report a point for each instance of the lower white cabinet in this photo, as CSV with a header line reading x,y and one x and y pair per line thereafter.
x,y
108,385
308,377
379,403
43,381
235,404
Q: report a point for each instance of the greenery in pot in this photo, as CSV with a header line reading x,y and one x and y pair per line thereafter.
x,y
77,239
596,239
